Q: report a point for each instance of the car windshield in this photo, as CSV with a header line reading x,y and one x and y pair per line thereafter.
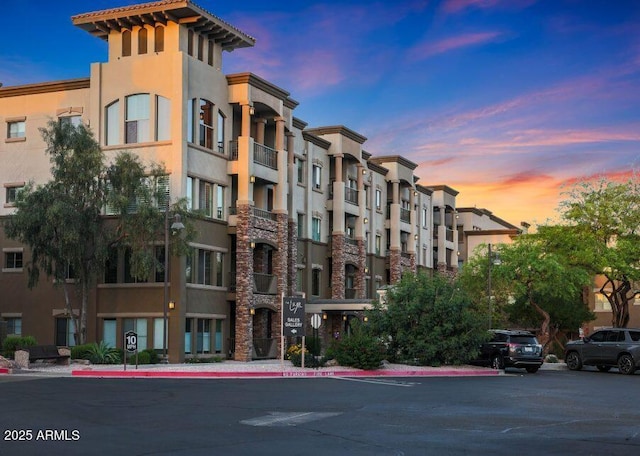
x,y
524,340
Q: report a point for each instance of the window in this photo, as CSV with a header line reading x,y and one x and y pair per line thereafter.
x,y
137,119
111,268
126,43
14,326
221,132
602,304
190,110
211,200
187,335
112,126
190,42
65,332
200,47
218,340
190,195
138,325
163,118
316,224
300,167
209,268
203,336
159,39
70,120
317,176
299,279
378,199
378,244
210,52
158,334
142,41
300,226
12,193
425,217
206,124
16,129
13,260
109,332
315,282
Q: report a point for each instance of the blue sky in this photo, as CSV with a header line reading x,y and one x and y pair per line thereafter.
x,y
507,101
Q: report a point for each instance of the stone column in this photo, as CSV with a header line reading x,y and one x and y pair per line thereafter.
x,y
244,285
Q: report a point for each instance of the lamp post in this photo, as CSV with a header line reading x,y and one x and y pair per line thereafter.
x,y
176,225
491,262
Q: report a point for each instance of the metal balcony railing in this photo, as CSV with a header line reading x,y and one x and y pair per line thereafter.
x,y
263,213
264,283
265,156
351,195
405,215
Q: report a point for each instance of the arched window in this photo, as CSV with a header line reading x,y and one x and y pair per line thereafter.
x,y
206,124
112,125
142,41
159,39
137,118
190,43
126,43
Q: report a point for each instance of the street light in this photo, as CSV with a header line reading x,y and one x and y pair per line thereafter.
x,y
177,225
493,260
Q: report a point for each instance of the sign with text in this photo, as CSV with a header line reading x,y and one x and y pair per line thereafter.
x,y
293,316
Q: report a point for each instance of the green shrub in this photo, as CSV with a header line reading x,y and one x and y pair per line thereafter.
x,y
80,351
208,359
102,353
13,343
146,356
360,349
314,344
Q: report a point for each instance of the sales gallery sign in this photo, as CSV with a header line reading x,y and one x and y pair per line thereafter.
x,y
293,316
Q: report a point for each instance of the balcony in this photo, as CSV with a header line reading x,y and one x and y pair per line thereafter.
x,y
264,283
262,155
351,195
405,215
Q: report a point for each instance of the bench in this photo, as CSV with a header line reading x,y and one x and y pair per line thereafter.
x,y
26,355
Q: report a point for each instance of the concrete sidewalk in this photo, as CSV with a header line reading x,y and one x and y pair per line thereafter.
x,y
254,369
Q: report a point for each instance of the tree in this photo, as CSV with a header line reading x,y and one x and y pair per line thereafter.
x,y
538,279
604,219
62,220
428,321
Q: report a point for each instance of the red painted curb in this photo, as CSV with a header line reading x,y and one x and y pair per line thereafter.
x,y
284,374
4,370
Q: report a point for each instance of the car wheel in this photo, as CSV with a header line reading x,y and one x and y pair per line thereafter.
x,y
532,370
604,368
497,362
626,365
573,361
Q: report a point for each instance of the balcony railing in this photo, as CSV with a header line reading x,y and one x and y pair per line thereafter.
x,y
350,293
351,195
405,215
264,155
263,213
264,283
350,241
232,281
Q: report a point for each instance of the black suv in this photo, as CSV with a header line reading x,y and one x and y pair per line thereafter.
x,y
511,348
606,348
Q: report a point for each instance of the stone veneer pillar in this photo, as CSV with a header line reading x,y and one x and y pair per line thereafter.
x,y
360,282
395,266
337,263
292,260
244,285
281,267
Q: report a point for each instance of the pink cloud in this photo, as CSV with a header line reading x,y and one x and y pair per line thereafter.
x,y
456,6
429,49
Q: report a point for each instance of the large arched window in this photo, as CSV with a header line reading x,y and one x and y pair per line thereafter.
x,y
126,43
142,41
159,39
206,124
112,126
137,118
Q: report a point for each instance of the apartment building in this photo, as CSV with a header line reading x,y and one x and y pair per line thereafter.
x,y
289,209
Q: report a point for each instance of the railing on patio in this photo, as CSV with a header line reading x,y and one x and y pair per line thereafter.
x,y
263,213
264,283
264,348
265,156
405,215
351,195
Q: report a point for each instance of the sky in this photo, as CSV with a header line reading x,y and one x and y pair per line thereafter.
x,y
509,102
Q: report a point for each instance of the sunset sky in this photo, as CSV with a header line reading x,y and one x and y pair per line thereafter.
x,y
507,101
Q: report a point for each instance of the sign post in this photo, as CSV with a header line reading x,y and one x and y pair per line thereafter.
x,y
130,346
293,317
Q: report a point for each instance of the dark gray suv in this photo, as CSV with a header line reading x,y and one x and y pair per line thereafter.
x,y
606,348
512,348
